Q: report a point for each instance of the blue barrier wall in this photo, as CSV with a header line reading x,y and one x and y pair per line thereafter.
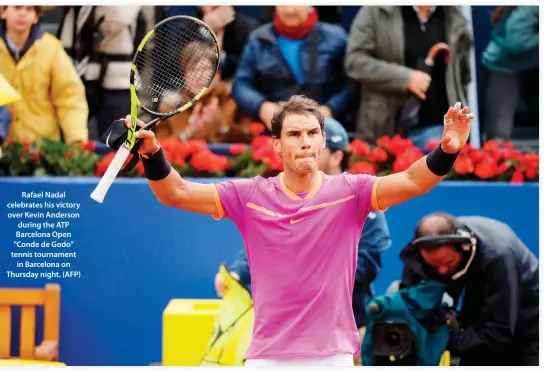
x,y
134,255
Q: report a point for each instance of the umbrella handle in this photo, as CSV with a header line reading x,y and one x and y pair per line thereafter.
x,y
433,52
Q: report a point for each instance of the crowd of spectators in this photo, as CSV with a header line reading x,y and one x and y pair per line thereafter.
x,y
395,72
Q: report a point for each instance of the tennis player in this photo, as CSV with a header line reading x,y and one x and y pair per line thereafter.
x,y
292,225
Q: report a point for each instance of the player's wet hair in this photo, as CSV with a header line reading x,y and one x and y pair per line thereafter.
x,y
296,105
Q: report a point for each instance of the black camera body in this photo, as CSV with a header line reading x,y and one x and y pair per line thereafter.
x,y
408,327
394,344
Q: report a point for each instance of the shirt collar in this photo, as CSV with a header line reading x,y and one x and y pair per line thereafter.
x,y
431,10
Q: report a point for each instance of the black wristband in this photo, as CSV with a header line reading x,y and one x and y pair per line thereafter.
x,y
156,167
440,162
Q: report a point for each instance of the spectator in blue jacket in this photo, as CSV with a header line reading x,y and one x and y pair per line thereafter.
x,y
294,54
375,238
511,61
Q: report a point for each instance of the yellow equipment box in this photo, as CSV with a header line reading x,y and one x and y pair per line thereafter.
x,y
187,325
28,362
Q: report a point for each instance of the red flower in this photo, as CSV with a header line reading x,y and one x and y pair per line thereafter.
x,y
36,157
206,161
396,145
195,145
476,156
167,143
491,146
512,155
274,163
463,165
89,145
220,163
531,172
486,168
261,140
360,148
384,142
103,165
496,155
200,161
26,147
256,128
508,145
530,159
406,159
168,147
529,163
236,149
362,167
177,151
502,169
378,155
466,148
517,177
263,152
140,168
182,151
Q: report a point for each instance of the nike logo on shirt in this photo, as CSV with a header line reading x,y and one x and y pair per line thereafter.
x,y
293,221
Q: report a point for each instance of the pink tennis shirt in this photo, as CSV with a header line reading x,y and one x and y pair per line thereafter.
x,y
302,255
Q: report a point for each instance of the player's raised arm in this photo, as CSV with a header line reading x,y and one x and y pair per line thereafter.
x,y
428,171
167,185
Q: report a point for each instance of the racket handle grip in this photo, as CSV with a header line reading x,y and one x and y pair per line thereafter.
x,y
113,170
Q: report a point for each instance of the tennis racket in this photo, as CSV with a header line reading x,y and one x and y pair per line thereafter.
x,y
173,66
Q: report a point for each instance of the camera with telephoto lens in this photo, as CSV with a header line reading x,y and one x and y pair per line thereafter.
x,y
393,343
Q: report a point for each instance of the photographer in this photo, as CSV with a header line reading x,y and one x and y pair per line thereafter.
x,y
485,264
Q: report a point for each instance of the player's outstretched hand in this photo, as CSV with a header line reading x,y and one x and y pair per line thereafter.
x,y
149,143
456,128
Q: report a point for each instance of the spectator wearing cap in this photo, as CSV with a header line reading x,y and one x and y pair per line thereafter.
x,y
375,238
336,156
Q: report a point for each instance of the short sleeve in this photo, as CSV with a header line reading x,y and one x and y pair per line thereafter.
x,y
231,196
364,187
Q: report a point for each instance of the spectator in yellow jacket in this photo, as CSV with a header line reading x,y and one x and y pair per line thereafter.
x,y
36,65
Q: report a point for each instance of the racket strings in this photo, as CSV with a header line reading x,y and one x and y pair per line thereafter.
x,y
173,78
175,65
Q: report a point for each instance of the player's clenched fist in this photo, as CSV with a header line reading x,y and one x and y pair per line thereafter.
x,y
149,144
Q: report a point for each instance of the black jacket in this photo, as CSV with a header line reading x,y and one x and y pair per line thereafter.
x,y
499,309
